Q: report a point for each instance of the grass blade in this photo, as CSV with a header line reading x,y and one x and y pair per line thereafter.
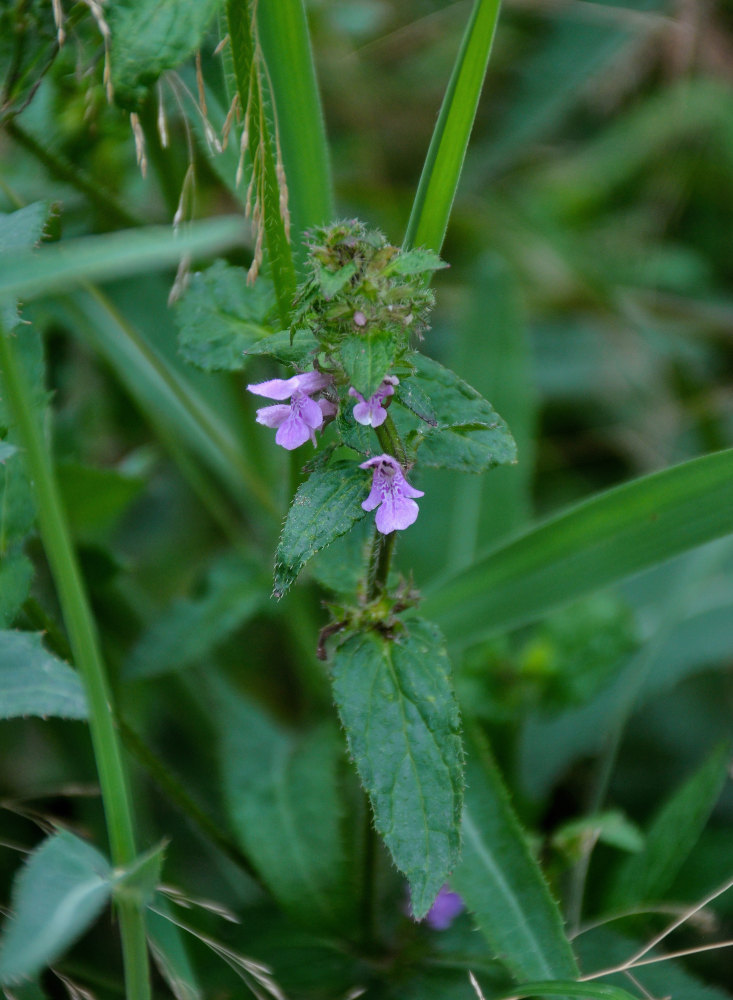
x,y
622,531
443,164
283,31
58,267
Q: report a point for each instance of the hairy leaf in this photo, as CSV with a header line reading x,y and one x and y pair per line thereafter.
x,y
33,682
397,706
150,37
60,891
220,317
367,359
673,833
502,884
324,507
416,262
470,436
23,229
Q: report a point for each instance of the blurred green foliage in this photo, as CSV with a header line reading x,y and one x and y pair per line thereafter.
x,y
588,297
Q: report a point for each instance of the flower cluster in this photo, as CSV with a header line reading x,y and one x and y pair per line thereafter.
x,y
361,302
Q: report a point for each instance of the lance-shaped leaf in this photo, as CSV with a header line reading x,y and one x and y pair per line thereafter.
x,y
283,795
60,891
367,359
33,682
502,884
220,316
672,835
323,509
470,436
16,574
396,703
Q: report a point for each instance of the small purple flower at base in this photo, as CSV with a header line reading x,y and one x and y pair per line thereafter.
x,y
371,412
297,421
392,494
444,910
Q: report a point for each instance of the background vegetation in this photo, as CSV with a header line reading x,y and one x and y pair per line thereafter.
x,y
588,297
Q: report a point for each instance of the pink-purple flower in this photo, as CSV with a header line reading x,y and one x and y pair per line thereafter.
x,y
444,910
370,412
299,420
392,494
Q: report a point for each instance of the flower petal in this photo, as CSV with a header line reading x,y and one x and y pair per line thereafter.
x,y
395,513
273,416
276,388
293,432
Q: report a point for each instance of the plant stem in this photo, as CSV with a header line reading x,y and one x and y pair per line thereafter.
x,y
87,656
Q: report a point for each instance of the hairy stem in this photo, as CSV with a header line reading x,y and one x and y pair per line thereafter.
x,y
87,656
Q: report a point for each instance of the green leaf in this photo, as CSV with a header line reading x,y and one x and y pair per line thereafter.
x,y
17,506
470,436
22,230
220,316
278,345
415,262
150,37
367,359
672,835
33,682
139,880
326,505
607,538
444,161
566,987
502,884
60,891
331,282
249,72
95,498
282,793
611,827
397,706
186,633
285,42
16,574
55,268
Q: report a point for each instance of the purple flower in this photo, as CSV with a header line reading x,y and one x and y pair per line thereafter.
x,y
391,493
371,412
303,416
444,910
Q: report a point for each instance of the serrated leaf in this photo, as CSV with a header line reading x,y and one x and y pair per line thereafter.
x,y
470,436
60,891
187,632
221,316
23,229
367,359
397,706
17,505
325,506
282,792
411,396
33,682
16,574
502,884
331,282
150,37
673,833
416,262
278,345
